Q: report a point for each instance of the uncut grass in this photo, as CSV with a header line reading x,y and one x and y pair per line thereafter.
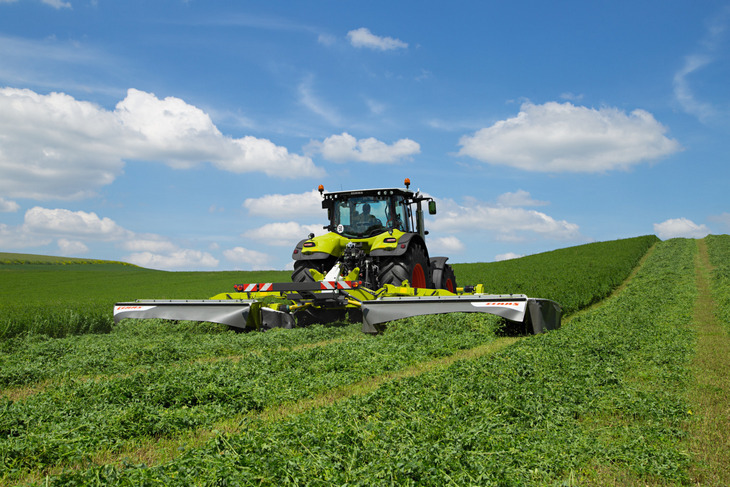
x,y
68,422
575,277
606,390
78,298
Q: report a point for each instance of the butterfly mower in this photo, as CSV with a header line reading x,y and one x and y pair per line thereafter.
x,y
372,265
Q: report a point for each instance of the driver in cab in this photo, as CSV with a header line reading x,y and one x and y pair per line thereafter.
x,y
366,219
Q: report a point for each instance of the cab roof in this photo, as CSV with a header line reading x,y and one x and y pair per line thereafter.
x,y
369,192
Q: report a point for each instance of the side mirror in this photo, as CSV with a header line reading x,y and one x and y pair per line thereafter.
x,y
432,207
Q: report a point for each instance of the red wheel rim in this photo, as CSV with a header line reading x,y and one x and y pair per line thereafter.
x,y
418,277
450,285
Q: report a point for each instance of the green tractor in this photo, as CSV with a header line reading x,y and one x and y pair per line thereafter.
x,y
376,236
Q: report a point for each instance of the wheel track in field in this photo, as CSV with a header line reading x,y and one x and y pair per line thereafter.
x,y
709,393
156,451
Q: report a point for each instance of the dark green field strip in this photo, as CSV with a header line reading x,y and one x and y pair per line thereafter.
x,y
9,258
575,277
137,345
718,247
68,422
600,399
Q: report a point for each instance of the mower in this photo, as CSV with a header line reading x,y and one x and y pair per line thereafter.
x,y
372,265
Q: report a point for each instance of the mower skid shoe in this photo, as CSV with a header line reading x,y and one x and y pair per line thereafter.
x,y
543,315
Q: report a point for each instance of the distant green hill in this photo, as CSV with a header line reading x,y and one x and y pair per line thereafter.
x,y
13,258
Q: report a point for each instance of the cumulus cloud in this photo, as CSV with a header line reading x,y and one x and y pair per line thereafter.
x,y
507,256
362,37
179,259
274,205
55,146
285,234
557,137
680,228
71,247
503,223
18,237
7,206
73,223
73,230
518,198
445,245
149,243
250,258
346,148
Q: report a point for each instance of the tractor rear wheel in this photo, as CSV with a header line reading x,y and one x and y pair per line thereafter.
x,y
412,266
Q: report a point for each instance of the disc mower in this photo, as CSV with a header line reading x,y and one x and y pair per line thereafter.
x,y
372,264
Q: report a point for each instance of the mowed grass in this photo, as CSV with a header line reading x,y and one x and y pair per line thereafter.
x,y
601,401
606,400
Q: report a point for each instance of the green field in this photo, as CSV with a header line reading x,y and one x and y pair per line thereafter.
x,y
435,400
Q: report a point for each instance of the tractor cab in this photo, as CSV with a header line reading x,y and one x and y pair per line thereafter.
x,y
365,213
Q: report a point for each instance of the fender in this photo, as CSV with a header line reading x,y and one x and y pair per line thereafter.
x,y
299,255
404,243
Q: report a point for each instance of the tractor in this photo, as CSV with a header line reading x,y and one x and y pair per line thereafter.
x,y
376,236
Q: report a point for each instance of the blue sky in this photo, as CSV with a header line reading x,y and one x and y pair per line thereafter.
x,y
191,135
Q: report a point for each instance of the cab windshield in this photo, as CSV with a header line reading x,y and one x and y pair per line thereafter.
x,y
365,216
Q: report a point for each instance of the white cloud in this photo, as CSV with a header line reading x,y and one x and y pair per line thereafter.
x,y
680,228
57,4
504,223
149,243
705,55
74,229
18,237
362,37
518,198
79,224
179,259
313,103
55,146
285,234
445,245
7,206
345,148
71,247
251,258
274,205
507,256
557,137
683,90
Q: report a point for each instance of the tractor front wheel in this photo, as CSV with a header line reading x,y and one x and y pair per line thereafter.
x,y
301,269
